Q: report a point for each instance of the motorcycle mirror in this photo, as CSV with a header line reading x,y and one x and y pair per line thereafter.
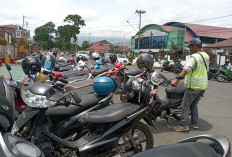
x,y
8,67
76,96
180,77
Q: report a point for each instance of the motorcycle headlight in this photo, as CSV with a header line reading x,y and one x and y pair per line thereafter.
x,y
36,101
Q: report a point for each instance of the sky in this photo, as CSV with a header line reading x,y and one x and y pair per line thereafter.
x,y
108,18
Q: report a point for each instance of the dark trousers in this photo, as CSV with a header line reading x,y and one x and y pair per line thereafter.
x,y
189,106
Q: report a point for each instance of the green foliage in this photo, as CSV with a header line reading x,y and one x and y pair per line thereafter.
x,y
85,45
72,29
44,35
162,53
131,57
13,40
26,45
3,42
175,52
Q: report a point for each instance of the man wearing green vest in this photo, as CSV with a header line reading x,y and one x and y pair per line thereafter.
x,y
196,82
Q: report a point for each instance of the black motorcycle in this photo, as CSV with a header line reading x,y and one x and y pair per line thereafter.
x,y
210,145
10,145
213,72
108,131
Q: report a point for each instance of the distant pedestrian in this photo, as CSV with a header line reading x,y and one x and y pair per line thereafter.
x,y
196,82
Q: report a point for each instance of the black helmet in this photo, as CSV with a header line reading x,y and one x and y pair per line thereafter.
x,y
38,55
31,65
48,61
195,41
113,58
145,60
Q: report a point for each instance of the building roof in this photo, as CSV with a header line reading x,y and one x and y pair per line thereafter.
x,y
103,42
98,48
211,31
168,28
225,43
8,26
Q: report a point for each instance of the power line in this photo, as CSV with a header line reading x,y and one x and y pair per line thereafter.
x,y
211,18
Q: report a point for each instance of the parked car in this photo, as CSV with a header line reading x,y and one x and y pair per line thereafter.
x,y
122,59
82,53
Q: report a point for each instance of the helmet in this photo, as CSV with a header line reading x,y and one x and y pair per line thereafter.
x,y
113,58
31,65
145,60
104,85
38,55
195,41
48,61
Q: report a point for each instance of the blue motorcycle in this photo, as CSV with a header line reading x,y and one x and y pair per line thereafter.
x,y
212,72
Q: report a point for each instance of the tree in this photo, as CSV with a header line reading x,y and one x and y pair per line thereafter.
x,y
72,29
44,35
85,45
212,56
175,52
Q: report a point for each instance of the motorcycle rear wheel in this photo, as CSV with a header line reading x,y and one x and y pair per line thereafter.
x,y
125,147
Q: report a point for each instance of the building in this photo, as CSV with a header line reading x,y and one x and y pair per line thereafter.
x,y
7,31
100,46
155,37
223,49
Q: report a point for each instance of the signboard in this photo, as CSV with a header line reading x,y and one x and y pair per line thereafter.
x,y
22,34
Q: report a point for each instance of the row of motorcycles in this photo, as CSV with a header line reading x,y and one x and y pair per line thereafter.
x,y
53,120
176,68
221,74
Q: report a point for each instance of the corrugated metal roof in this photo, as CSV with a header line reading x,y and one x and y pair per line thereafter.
x,y
225,43
211,31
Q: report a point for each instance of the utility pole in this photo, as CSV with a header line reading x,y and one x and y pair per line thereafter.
x,y
124,44
89,36
27,25
139,12
23,21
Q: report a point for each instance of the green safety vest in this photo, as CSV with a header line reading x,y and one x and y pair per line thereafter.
x,y
198,79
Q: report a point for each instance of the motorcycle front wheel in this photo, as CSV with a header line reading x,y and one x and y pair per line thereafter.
x,y
138,139
220,78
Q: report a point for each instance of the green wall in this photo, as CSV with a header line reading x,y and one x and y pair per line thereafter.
x,y
177,36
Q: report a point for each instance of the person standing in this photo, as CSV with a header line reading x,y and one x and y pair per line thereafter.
x,y
196,82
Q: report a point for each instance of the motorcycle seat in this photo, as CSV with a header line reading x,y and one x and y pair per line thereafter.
x,y
74,73
76,79
112,113
133,72
99,71
188,149
175,92
87,101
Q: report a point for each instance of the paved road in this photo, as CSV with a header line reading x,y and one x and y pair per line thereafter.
x,y
215,113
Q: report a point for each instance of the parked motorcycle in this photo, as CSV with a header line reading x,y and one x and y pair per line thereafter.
x,y
209,145
212,73
109,131
224,74
167,66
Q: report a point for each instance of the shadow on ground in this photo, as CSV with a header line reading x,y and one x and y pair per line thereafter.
x,y
162,126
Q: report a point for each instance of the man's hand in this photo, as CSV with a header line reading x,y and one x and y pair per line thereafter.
x,y
175,82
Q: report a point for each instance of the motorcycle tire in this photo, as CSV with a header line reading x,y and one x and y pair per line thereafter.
x,y
146,131
220,78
